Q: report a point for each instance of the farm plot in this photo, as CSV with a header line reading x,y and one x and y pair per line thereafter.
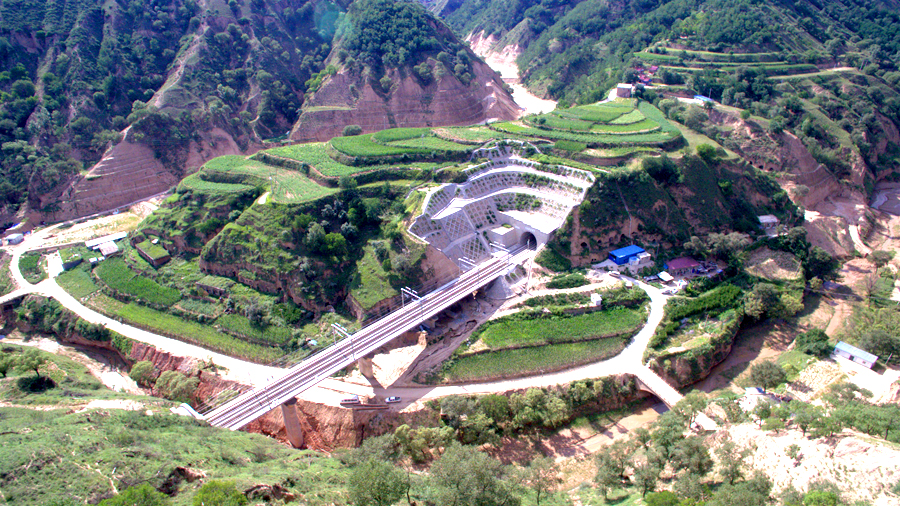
x,y
242,326
184,330
119,277
78,282
629,118
363,145
515,332
400,134
431,143
525,361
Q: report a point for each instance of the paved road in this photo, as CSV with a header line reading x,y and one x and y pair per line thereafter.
x,y
330,390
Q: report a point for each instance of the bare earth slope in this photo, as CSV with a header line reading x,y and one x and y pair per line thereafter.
x,y
443,102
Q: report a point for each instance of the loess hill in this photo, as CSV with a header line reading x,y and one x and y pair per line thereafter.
x,y
140,95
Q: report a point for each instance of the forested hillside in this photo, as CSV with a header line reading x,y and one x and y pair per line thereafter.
x,y
189,81
572,47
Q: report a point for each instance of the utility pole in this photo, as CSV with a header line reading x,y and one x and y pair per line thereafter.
x,y
340,330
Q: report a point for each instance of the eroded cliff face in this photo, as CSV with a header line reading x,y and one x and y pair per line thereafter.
x,y
837,214
350,97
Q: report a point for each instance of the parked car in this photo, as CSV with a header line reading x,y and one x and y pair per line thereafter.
x,y
392,399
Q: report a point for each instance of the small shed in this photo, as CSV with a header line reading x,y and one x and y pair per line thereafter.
x,y
109,249
94,243
682,266
627,254
665,277
596,299
854,354
15,238
624,90
768,221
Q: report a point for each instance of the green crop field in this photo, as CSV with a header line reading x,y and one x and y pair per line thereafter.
x,y
645,125
196,183
526,361
591,139
363,145
78,282
296,188
511,331
629,118
316,155
6,282
241,325
400,134
184,330
431,143
287,186
655,57
560,122
473,133
121,278
30,267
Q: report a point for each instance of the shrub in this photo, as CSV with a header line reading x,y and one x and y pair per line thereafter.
x,y
143,373
350,130
143,495
219,493
176,386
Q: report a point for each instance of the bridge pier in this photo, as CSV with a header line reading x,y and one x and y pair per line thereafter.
x,y
292,423
366,368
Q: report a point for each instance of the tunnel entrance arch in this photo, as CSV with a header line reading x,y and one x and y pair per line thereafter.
x,y
528,240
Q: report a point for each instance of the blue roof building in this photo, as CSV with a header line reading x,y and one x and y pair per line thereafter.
x,y
627,254
855,354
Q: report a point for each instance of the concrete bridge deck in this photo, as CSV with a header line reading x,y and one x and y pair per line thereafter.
x,y
253,404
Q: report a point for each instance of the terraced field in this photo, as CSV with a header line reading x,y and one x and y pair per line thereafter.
x,y
234,174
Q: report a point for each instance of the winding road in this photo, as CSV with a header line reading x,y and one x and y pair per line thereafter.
x,y
330,391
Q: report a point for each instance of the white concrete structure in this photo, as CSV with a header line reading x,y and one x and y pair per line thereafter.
x,y
507,200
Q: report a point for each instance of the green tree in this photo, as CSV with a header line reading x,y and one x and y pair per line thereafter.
x,y
880,341
142,495
692,455
7,362
376,483
541,476
664,498
351,130
821,498
805,415
731,460
465,476
688,407
646,476
753,492
315,237
219,493
767,374
611,461
881,257
143,373
813,342
32,360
